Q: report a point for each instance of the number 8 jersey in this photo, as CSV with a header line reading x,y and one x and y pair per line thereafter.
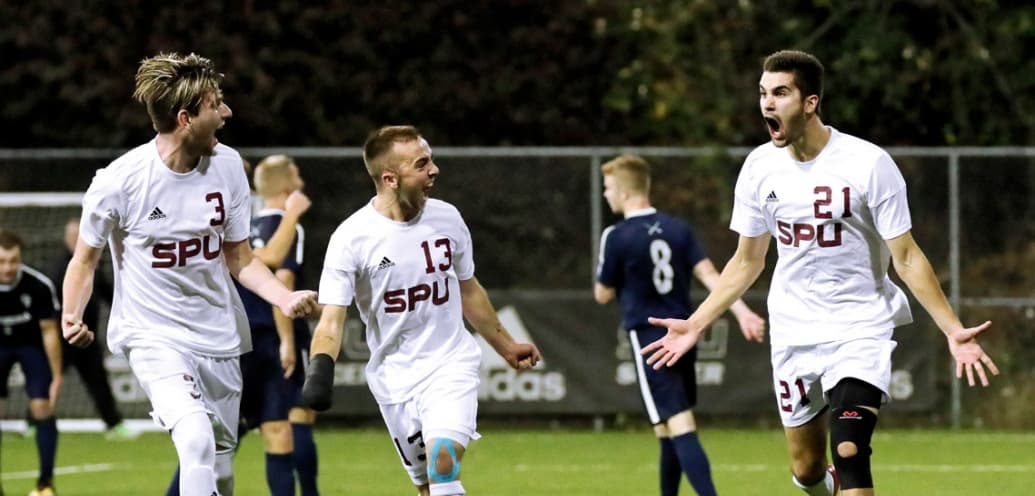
x,y
830,217
165,231
405,279
648,258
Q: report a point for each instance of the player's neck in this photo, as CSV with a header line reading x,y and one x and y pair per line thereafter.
x,y
275,202
390,206
171,150
812,141
635,204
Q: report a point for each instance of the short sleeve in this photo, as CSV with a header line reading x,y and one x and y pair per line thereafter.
x,y
887,199
609,271
45,303
747,218
103,206
239,223
338,278
463,253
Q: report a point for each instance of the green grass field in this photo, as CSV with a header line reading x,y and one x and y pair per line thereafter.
x,y
549,463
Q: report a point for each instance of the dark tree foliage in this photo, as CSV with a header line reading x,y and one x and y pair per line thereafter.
x,y
520,72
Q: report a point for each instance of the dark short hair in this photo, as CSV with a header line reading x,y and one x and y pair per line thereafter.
x,y
807,70
10,240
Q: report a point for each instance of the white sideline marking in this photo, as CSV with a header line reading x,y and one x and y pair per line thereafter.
x,y
74,469
762,467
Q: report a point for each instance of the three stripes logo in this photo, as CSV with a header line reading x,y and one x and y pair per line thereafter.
x,y
772,197
156,214
385,263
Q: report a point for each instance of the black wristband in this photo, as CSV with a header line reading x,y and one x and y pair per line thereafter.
x,y
319,382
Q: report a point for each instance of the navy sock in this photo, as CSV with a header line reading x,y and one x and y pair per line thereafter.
x,y
279,476
694,463
174,485
46,445
668,468
305,461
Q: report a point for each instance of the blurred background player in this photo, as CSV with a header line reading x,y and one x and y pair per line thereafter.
x,y
89,361
838,208
646,260
176,213
29,312
274,370
408,262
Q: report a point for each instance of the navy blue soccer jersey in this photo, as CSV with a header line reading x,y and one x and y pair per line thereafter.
x,y
648,258
23,304
260,313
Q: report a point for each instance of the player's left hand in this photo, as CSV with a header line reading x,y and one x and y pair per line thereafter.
x,y
752,326
970,358
300,303
522,356
76,332
673,345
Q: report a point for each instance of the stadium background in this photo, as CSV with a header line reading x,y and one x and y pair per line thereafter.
x,y
544,80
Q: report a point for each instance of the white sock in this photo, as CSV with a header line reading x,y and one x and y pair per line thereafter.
x,y
454,488
824,487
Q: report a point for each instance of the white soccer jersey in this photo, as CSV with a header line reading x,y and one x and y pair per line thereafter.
x,y
404,277
830,217
166,230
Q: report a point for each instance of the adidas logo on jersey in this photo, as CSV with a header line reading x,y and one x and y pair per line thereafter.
x,y
385,263
772,197
156,214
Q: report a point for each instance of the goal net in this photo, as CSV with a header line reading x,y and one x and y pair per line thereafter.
x,y
39,219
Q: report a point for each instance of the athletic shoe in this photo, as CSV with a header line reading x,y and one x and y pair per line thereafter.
x,y
837,482
121,432
43,491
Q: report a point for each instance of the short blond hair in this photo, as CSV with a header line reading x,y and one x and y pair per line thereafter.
x,y
631,172
169,82
271,174
377,149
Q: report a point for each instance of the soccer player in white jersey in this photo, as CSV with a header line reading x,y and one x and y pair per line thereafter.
x,y
408,263
837,207
176,213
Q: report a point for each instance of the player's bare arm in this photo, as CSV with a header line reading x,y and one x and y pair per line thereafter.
x,y
478,310
52,347
752,326
323,351
603,293
254,275
740,273
284,327
76,290
915,270
276,249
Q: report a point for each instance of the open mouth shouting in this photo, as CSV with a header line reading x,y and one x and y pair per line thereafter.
x,y
775,128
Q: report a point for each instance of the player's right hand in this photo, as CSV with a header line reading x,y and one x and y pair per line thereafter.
x,y
297,203
969,355
673,345
76,332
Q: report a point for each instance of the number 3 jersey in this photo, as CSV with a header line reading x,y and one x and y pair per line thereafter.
x,y
165,231
648,258
830,217
404,278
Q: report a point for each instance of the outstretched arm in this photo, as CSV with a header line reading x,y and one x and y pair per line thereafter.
x,y
254,275
76,290
479,312
915,270
740,273
751,324
323,351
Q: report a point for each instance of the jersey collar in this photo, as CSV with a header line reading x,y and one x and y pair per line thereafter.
x,y
641,212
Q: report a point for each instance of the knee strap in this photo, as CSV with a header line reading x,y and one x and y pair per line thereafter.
x,y
433,473
854,427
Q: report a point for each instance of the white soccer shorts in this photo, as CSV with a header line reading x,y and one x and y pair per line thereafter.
x,y
446,408
803,375
179,383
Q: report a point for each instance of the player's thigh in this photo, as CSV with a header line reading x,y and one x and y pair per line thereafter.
x,y
170,379
36,370
221,383
406,431
667,391
866,359
450,404
797,374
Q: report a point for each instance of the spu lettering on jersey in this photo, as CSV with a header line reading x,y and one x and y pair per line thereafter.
x,y
405,300
826,234
177,254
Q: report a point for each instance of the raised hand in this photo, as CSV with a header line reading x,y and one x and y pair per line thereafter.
x,y
297,203
672,346
969,356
